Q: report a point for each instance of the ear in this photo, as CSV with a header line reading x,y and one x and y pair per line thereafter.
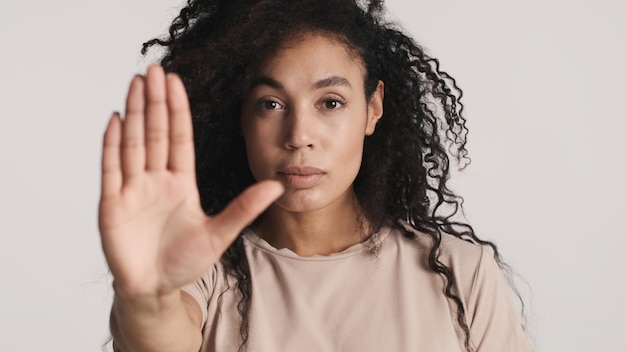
x,y
375,108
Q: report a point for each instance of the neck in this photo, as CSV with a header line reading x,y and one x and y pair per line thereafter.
x,y
319,232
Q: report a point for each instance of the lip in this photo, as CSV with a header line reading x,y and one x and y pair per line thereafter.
x,y
300,177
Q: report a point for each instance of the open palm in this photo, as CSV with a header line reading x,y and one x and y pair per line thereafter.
x,y
154,233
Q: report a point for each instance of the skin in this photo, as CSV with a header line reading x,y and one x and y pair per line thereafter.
x,y
304,124
155,236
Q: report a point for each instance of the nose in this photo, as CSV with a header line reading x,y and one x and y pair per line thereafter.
x,y
299,130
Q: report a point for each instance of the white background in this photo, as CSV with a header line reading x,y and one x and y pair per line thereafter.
x,y
544,95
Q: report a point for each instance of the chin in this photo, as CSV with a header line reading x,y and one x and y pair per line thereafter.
x,y
300,203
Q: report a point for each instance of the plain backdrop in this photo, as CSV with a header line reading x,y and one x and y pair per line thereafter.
x,y
544,92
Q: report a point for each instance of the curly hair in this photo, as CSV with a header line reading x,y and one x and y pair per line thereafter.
x,y
217,46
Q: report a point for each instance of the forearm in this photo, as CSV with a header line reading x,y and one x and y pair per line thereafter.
x,y
152,324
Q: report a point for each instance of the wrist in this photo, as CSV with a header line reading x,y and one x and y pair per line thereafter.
x,y
147,303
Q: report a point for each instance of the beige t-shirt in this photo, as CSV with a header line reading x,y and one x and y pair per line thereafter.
x,y
357,300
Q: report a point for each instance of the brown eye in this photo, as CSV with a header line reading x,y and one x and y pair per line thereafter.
x,y
333,104
271,105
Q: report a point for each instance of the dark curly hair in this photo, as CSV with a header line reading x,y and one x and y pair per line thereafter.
x,y
217,46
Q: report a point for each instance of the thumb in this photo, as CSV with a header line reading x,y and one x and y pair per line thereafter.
x,y
244,209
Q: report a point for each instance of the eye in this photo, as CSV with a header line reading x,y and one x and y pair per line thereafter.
x,y
269,104
333,103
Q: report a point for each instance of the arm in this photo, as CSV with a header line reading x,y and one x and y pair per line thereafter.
x,y
155,236
156,324
494,321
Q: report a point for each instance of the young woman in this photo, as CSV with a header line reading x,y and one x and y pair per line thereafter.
x,y
308,210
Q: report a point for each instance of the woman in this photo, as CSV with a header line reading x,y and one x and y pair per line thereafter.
x,y
333,126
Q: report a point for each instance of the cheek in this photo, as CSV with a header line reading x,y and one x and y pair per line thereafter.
x,y
349,136
353,159
349,150
258,151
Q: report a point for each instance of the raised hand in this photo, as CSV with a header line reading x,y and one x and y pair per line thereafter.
x,y
155,236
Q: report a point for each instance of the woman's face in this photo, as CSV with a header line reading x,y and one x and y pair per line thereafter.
x,y
305,119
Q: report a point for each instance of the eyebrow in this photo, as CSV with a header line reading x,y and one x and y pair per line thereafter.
x,y
332,81
323,83
268,82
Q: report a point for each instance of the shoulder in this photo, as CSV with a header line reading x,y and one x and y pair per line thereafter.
x,y
463,256
202,289
484,292
469,263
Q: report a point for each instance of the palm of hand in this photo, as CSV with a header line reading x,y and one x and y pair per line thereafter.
x,y
150,230
154,233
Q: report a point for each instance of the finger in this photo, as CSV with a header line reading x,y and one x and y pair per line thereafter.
x,y
111,168
243,210
156,119
133,150
181,154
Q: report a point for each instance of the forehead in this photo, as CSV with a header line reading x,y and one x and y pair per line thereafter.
x,y
314,52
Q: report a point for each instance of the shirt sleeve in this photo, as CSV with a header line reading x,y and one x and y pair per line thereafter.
x,y
201,290
493,319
